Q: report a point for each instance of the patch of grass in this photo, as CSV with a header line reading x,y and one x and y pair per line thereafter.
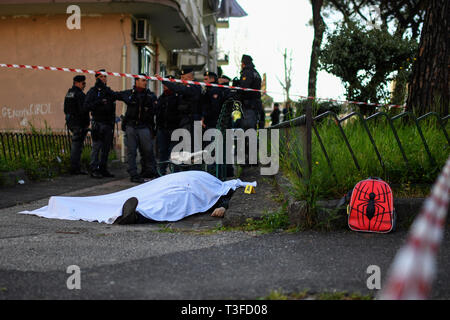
x,y
341,296
270,222
167,229
43,155
335,178
276,295
306,294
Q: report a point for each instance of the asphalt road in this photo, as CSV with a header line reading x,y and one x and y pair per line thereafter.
x,y
139,262
150,262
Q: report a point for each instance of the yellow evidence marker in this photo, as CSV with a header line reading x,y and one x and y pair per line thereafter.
x,y
249,189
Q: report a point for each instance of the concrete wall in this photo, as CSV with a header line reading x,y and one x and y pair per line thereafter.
x,y
37,97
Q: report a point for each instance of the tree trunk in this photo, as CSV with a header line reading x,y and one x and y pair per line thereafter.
x,y
319,28
429,87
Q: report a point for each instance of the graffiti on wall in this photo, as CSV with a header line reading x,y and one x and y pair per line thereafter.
x,y
23,114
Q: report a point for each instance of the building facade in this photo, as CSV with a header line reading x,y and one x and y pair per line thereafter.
x,y
151,36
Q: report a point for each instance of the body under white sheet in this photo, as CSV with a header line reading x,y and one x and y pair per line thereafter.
x,y
168,198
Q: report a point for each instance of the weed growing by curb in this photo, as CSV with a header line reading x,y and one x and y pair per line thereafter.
x,y
307,294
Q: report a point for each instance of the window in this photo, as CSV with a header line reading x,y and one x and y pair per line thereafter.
x,y
145,61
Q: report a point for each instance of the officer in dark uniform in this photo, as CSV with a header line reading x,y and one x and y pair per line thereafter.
x,y
167,120
100,101
275,115
211,101
189,101
77,121
225,80
251,100
139,127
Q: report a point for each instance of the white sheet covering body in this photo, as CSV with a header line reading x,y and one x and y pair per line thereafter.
x,y
168,198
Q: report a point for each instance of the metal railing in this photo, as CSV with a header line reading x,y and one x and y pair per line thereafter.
x,y
301,121
17,146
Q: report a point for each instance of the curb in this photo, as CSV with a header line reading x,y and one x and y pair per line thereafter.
x,y
331,217
244,206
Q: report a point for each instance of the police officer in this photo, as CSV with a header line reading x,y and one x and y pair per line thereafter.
x,y
167,120
251,100
211,101
275,115
100,101
189,101
139,127
77,121
225,80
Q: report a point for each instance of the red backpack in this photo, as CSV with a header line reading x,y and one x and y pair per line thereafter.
x,y
371,207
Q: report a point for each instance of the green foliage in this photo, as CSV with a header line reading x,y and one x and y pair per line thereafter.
x,y
270,222
41,156
307,294
318,107
365,59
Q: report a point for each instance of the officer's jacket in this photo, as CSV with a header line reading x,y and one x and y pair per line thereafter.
x,y
250,78
189,103
167,115
76,116
140,106
100,101
275,116
211,103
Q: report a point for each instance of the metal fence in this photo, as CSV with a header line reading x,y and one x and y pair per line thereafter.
x,y
17,146
301,121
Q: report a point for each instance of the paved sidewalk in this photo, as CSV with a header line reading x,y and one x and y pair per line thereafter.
x,y
36,190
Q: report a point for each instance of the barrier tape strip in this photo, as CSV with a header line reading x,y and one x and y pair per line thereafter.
x,y
154,78
414,267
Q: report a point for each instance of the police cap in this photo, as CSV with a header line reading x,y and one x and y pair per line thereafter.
x,y
98,74
141,74
79,78
186,70
211,75
246,59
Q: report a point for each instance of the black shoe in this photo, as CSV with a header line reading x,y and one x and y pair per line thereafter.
x,y
137,179
106,174
129,215
96,174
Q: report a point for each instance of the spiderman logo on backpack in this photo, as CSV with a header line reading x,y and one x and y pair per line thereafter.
x,y
371,207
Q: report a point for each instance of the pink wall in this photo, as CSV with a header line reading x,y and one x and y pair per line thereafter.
x,y
37,97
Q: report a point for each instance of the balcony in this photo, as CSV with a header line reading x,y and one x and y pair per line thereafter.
x,y
176,22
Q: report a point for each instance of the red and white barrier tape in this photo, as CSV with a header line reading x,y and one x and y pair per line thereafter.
x,y
128,75
117,74
414,267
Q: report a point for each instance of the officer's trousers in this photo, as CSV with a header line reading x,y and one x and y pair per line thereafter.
x,y
140,138
165,145
78,137
102,137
